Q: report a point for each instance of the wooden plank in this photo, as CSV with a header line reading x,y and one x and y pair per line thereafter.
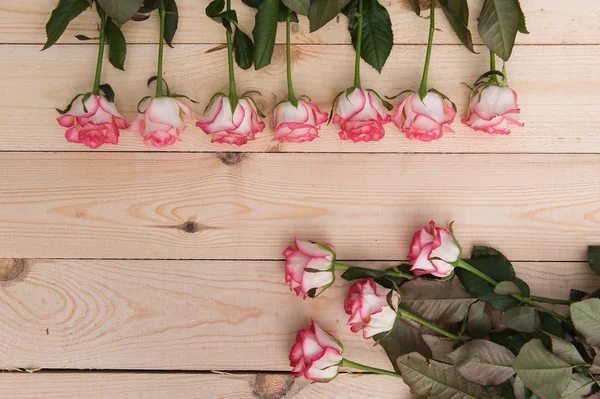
x,y
232,206
560,110
187,315
549,21
194,386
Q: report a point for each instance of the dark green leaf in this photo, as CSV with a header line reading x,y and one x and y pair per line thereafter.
x,y
243,49
214,9
522,24
377,35
299,6
252,3
108,92
68,107
171,21
323,11
118,47
498,25
594,258
380,277
577,295
120,11
402,339
507,288
457,13
550,325
416,6
61,16
512,340
264,32
83,37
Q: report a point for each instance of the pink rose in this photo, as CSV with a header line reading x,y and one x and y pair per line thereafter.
x,y
424,120
361,116
492,109
161,122
433,251
297,124
316,355
369,310
99,125
309,267
236,128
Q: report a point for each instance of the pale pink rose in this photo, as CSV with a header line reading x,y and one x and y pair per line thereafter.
x,y
369,310
361,116
236,128
433,251
309,267
316,355
425,120
99,125
492,109
297,124
162,121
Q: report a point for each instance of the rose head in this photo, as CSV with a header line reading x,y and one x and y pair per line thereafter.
x,y
297,124
433,251
361,116
368,307
161,122
425,120
98,125
316,355
309,267
231,128
492,109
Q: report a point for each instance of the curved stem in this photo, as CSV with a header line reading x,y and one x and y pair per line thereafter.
x,y
423,87
493,78
288,53
159,74
358,366
102,39
232,88
406,314
358,46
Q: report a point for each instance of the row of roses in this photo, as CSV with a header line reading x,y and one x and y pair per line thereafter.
x,y
92,118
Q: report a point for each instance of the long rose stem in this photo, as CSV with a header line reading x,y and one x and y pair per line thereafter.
x,y
102,39
358,46
161,45
358,366
288,22
423,87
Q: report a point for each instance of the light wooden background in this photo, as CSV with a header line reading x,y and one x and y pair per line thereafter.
x,y
133,273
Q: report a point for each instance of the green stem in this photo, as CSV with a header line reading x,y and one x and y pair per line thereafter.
x,y
232,88
341,266
288,52
493,78
358,366
391,273
159,74
102,39
423,87
543,299
410,316
358,45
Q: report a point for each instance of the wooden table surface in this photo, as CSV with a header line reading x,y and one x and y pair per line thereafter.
x,y
130,272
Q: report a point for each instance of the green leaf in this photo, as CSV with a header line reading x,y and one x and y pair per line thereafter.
x,y
436,380
566,351
264,32
299,6
522,24
215,8
510,339
116,41
108,92
579,387
499,22
523,319
377,35
83,37
380,277
171,21
403,338
120,11
483,362
323,11
457,13
586,317
507,288
543,372
416,6
594,258
243,49
61,16
479,324
436,301
520,390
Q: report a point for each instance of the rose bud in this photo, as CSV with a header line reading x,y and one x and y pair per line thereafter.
x,y
368,307
316,355
425,120
236,128
361,116
309,267
95,124
297,124
161,122
492,109
433,251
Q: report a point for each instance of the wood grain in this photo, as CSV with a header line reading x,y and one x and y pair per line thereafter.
x,y
188,315
194,386
560,109
549,21
207,206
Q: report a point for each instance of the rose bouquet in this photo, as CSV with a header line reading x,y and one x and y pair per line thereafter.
x,y
504,342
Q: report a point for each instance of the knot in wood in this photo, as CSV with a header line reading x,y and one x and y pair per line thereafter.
x,y
10,269
231,158
272,386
